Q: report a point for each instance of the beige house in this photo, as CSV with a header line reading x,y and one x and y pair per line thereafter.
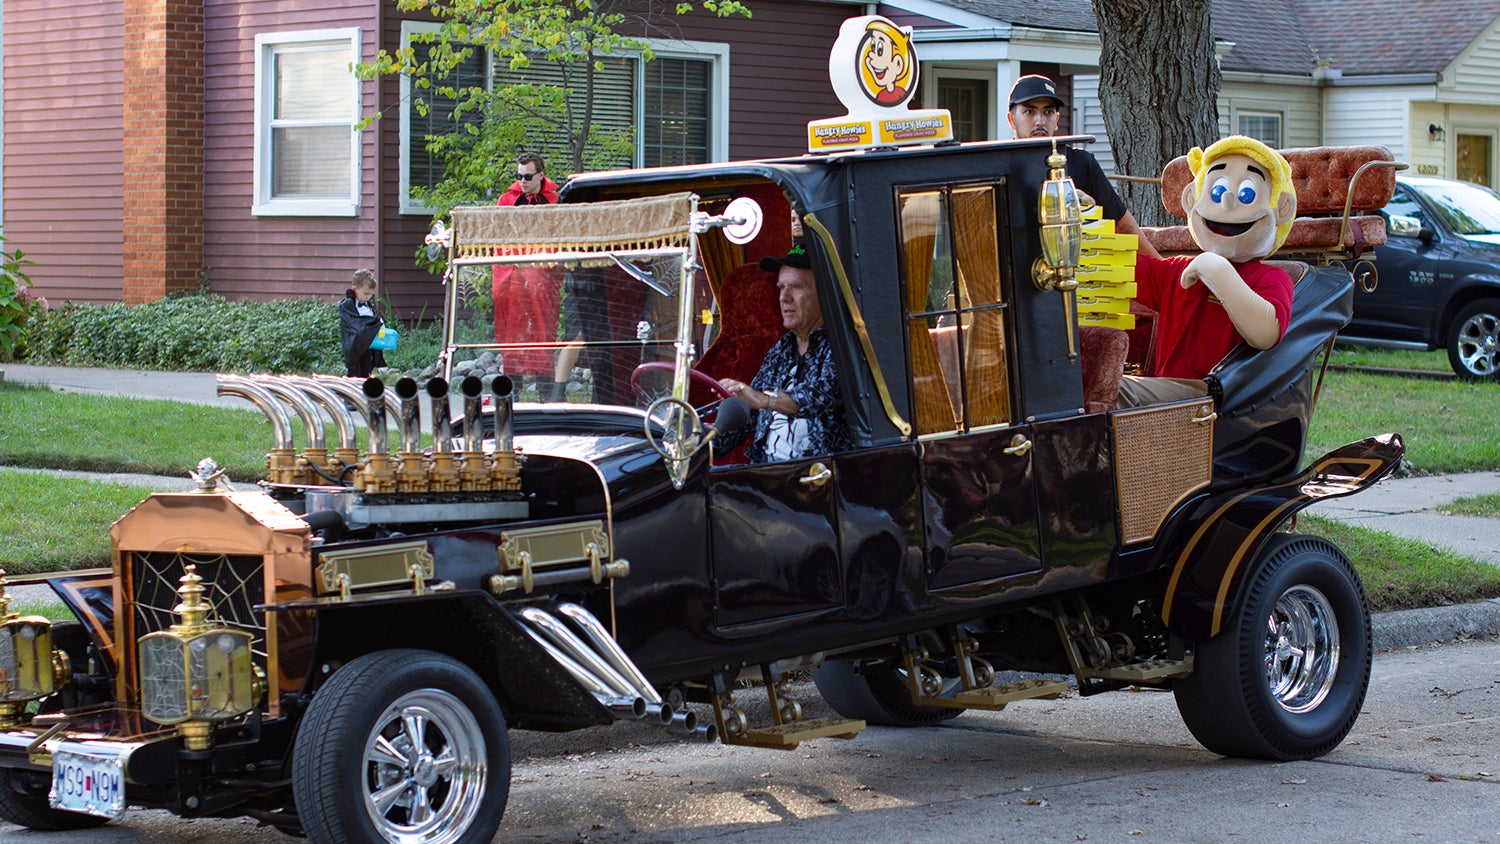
x,y
1420,78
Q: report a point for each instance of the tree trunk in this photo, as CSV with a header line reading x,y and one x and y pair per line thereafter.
x,y
1159,88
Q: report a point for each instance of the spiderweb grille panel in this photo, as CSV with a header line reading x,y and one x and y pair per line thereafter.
x,y
1161,457
232,585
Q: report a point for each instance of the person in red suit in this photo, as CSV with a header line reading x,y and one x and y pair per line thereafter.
x,y
527,299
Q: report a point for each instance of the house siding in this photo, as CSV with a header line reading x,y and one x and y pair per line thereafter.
x,y
63,151
250,257
1300,107
1474,77
1357,115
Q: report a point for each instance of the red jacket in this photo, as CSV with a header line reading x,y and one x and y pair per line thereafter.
x,y
513,194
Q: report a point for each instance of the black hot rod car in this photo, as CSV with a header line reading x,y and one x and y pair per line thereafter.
x,y
343,651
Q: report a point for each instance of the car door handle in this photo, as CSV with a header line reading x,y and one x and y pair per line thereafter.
x,y
817,475
1019,445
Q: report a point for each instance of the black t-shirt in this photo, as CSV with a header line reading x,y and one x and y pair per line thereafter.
x,y
1089,177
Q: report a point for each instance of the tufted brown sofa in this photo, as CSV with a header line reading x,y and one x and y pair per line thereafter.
x,y
1338,191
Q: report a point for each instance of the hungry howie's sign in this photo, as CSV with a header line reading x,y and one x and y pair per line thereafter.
x,y
873,68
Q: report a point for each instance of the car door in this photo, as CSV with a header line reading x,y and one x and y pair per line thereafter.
x,y
1406,281
774,540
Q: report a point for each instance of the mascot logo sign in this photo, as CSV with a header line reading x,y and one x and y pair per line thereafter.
x,y
873,69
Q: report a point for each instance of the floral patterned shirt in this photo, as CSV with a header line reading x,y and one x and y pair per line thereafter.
x,y
812,381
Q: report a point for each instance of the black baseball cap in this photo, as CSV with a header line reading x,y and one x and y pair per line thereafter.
x,y
1032,87
797,257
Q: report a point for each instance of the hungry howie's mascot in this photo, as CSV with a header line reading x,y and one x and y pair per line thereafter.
x,y
1241,204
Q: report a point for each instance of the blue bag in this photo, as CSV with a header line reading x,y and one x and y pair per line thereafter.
x,y
385,339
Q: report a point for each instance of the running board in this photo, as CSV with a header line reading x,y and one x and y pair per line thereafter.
x,y
788,731
977,676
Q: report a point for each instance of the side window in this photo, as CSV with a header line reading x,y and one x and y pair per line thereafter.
x,y
306,107
1403,205
955,315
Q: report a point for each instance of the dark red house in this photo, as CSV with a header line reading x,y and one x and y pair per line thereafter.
x,y
152,146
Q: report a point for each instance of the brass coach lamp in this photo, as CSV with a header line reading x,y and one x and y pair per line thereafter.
x,y
1061,218
197,673
29,668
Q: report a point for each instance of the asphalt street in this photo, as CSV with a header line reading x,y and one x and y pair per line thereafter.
x,y
1422,764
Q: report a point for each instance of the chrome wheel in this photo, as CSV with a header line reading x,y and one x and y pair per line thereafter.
x,y
424,769
1302,649
1474,341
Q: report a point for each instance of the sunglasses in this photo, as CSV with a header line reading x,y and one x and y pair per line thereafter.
x,y
526,177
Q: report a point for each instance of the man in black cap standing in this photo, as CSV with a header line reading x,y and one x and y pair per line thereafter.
x,y
1035,107
796,407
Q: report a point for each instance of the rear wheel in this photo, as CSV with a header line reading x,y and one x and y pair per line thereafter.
x,y
1474,341
23,802
876,693
1287,675
402,746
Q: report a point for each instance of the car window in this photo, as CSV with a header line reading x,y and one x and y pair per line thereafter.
x,y
1466,208
954,308
1403,204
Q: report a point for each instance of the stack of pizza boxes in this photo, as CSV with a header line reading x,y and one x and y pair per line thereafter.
x,y
1106,273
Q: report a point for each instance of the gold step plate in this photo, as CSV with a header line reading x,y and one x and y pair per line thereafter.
x,y
788,736
1151,671
996,697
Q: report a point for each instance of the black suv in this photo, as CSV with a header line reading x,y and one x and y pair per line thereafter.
x,y
1438,276
344,651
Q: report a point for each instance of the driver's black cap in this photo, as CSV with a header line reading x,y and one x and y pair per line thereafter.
x,y
797,257
1032,87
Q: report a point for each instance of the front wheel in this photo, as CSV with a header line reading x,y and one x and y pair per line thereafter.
x,y
402,746
876,693
1287,675
23,802
1474,341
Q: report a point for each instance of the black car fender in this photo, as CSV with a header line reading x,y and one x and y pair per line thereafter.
x,y
533,689
1216,545
1456,295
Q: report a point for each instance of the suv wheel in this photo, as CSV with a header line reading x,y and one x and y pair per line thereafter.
x,y
402,745
1286,676
1474,341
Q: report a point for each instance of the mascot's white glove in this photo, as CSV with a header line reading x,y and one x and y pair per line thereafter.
x,y
1253,317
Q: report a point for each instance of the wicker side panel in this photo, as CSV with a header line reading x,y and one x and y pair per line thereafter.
x,y
1161,456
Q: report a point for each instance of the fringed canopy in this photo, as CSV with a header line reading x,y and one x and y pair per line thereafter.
x,y
659,222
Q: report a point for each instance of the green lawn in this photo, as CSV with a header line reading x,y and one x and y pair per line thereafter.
x,y
1487,506
1347,355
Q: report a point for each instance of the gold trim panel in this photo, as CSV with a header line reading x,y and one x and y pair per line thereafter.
x,y
343,572
1163,454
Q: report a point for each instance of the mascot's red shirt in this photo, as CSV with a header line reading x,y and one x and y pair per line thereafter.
x,y
1193,331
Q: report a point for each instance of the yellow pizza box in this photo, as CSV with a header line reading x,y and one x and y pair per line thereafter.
x,y
1094,274
1106,289
1124,322
1107,257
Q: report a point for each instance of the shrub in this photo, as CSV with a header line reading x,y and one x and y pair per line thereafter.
x,y
16,307
200,331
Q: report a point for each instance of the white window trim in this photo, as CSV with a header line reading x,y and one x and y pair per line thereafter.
x,y
718,90
1258,112
264,205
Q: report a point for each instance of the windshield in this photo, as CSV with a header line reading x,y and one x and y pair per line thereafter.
x,y
1467,209
602,329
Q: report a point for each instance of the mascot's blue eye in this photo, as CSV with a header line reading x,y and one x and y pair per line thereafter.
x,y
1247,192
1220,187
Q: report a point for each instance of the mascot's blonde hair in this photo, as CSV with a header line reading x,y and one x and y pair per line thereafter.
x,y
900,41
1275,164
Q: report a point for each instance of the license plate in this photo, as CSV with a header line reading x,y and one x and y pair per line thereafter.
x,y
89,782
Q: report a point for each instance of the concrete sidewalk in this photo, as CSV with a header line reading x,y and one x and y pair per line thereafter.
x,y
1401,506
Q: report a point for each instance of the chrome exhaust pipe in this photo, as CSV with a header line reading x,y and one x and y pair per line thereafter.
x,y
374,390
621,707
684,721
411,415
607,647
471,387
574,647
312,418
662,712
275,411
334,407
442,416
346,389
504,391
708,733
